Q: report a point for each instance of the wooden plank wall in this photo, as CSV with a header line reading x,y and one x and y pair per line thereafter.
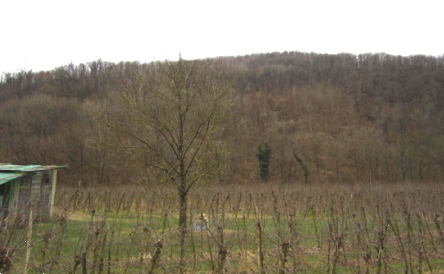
x,y
37,190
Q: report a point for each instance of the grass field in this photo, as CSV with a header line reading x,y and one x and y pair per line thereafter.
x,y
256,229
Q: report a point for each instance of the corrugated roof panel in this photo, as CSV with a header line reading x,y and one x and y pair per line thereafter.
x,y
6,177
39,168
28,168
8,167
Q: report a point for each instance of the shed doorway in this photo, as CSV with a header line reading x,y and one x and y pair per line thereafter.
x,y
5,190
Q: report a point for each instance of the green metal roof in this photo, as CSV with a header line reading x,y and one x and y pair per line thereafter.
x,y
28,168
8,176
10,172
9,167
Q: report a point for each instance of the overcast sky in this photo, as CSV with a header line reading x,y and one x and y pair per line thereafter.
x,y
41,34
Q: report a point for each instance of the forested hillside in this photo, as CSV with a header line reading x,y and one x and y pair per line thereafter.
x,y
349,119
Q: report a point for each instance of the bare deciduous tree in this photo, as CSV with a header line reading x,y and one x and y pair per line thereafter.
x,y
166,117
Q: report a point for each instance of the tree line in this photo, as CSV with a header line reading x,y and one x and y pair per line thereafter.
x,y
348,118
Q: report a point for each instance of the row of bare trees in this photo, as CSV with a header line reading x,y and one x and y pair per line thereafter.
x,y
350,118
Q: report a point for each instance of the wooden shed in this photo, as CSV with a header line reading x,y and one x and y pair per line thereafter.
x,y
24,186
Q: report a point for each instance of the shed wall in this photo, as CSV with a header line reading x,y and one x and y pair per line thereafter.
x,y
36,189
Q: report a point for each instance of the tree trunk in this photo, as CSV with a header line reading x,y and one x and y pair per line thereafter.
x,y
182,224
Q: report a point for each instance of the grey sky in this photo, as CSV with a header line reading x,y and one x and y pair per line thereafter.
x,y
41,35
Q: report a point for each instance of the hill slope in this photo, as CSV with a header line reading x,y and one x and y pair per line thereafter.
x,y
371,117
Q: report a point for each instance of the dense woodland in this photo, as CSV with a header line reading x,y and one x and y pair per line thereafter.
x,y
350,118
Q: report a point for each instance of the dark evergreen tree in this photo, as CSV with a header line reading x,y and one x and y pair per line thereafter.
x,y
263,156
